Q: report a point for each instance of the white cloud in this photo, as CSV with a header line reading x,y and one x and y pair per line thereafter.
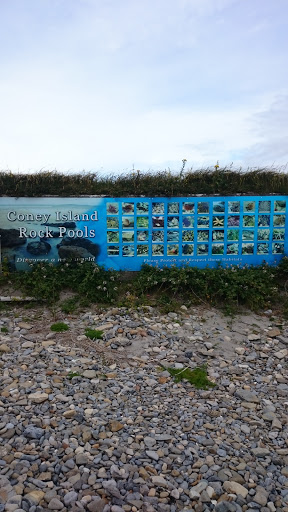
x,y
100,83
271,129
93,136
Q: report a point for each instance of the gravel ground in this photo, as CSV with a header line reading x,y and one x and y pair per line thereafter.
x,y
101,426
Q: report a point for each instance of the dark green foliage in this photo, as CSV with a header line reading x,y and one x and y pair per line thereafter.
x,y
4,330
253,287
224,181
283,268
59,327
45,281
167,303
69,305
93,282
282,283
197,377
94,334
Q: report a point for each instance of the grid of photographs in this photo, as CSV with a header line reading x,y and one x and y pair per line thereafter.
x,y
196,227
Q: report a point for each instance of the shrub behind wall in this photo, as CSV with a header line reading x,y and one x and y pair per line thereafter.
x,y
262,181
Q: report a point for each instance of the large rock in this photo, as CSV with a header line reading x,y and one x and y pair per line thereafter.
x,y
260,452
34,497
261,496
38,248
38,397
4,348
247,396
281,354
115,426
235,488
70,497
273,333
81,242
159,481
89,374
110,486
10,238
32,432
70,252
55,504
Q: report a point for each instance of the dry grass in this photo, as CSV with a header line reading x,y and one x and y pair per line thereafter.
x,y
226,181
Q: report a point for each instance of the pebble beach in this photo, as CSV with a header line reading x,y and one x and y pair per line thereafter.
x,y
101,426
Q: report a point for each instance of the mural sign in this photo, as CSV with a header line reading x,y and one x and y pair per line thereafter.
x,y
125,233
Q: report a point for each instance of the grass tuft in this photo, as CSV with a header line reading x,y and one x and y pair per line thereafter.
x,y
59,327
94,334
197,377
71,375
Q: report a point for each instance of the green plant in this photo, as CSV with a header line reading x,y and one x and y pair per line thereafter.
x,y
59,327
284,310
71,375
167,303
283,267
197,377
253,287
92,281
4,329
94,334
69,305
45,281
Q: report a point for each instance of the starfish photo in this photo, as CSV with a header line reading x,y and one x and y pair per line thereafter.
x,y
218,221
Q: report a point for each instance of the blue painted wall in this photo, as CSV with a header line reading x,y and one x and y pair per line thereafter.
x,y
128,232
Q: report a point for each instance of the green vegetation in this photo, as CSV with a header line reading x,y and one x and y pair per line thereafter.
x,y
45,281
225,181
197,377
69,305
4,330
71,375
59,327
254,287
94,334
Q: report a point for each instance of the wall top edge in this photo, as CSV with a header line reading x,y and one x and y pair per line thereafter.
x,y
248,194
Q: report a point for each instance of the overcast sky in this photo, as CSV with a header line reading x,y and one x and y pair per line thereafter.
x,y
108,85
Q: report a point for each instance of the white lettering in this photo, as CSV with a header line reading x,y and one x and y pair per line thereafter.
x,y
9,214
46,217
94,216
29,217
22,232
48,233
